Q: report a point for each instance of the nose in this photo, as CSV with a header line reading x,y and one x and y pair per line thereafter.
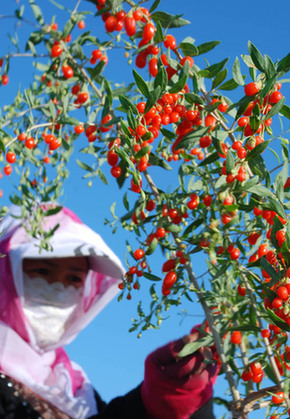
x,y
58,275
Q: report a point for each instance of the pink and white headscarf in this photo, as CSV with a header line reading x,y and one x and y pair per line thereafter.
x,y
49,372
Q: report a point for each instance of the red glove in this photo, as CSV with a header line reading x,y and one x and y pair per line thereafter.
x,y
175,388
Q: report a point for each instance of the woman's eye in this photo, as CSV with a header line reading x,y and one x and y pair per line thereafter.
x,y
75,279
40,271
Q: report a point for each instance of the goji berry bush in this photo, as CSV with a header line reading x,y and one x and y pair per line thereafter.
x,y
208,130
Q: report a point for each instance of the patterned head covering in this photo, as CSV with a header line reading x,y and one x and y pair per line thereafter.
x,y
49,372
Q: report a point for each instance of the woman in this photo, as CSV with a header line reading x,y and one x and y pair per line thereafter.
x,y
47,298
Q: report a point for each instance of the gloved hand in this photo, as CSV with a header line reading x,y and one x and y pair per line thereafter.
x,y
175,388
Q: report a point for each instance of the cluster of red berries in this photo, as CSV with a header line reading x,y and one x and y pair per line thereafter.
x,y
29,142
92,131
97,55
136,270
280,303
268,216
169,268
168,110
254,372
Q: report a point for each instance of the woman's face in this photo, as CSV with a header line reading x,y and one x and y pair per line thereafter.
x,y
68,271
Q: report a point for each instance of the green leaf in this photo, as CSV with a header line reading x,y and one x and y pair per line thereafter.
x,y
270,69
192,137
284,65
155,160
285,111
188,49
237,75
278,321
102,176
35,38
168,20
261,191
276,227
152,99
108,90
124,156
52,211
258,167
121,179
173,228
268,370
19,12
2,146
125,201
275,109
127,104
68,27
193,99
256,56
209,159
37,12
268,86
276,206
229,85
179,85
143,152
207,46
230,162
141,84
271,271
154,6
159,36
125,129
16,200
249,183
30,46
282,176
150,249
219,78
193,226
151,277
161,78
192,347
168,134
52,109
247,60
254,120
213,70
84,166
131,119
257,150
68,120
106,108
77,51
96,71
245,328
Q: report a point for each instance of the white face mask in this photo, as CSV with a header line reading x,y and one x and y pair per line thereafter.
x,y
48,307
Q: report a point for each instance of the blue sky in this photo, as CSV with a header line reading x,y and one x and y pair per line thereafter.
x,y
112,357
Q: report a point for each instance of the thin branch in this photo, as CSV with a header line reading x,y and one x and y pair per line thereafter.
x,y
218,118
47,124
25,54
21,114
84,73
269,351
76,8
277,167
208,313
21,20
